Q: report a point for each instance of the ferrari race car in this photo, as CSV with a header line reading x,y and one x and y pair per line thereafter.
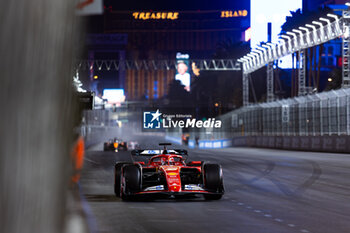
x,y
167,174
115,145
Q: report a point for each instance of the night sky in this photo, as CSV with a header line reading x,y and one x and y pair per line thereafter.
x,y
176,5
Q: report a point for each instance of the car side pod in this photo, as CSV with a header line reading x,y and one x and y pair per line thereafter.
x,y
213,181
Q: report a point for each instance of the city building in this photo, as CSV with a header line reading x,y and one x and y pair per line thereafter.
x,y
160,35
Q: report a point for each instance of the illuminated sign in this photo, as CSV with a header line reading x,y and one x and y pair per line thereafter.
x,y
248,34
232,14
182,56
182,73
155,15
195,69
114,95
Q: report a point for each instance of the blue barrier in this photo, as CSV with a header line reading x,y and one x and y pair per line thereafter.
x,y
215,144
192,144
203,144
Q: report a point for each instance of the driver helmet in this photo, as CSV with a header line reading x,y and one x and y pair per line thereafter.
x,y
171,161
163,161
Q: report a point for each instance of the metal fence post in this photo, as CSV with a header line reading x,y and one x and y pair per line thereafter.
x,y
245,83
270,82
301,79
345,47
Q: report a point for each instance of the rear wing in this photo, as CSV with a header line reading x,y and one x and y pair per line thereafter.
x,y
158,152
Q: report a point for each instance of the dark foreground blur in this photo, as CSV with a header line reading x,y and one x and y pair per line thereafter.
x,y
36,47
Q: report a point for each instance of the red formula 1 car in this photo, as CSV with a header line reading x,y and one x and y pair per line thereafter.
x,y
167,173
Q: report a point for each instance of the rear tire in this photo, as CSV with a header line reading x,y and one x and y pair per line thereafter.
x,y
131,181
213,181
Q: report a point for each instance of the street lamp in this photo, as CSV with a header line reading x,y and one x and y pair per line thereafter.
x,y
269,49
258,53
301,35
321,29
295,38
289,41
333,16
282,44
244,62
263,51
336,19
273,48
308,40
250,61
325,20
254,61
328,25
314,31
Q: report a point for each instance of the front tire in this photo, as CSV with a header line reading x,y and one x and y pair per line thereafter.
x,y
117,177
131,181
213,181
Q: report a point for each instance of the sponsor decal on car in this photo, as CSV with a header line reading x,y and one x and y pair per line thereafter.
x,y
193,187
155,188
172,174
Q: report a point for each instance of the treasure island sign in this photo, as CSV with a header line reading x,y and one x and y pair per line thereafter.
x,y
151,15
155,15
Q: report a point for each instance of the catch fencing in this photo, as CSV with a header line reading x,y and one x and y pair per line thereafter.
x,y
319,122
326,113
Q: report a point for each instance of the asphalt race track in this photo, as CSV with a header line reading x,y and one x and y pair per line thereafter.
x,y
272,191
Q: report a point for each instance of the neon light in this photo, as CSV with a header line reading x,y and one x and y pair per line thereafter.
x,y
114,95
232,14
248,34
156,15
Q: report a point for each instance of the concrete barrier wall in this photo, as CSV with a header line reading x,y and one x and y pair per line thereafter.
x,y
215,144
202,144
305,143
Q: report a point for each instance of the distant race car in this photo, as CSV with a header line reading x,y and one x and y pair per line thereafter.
x,y
167,173
115,145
